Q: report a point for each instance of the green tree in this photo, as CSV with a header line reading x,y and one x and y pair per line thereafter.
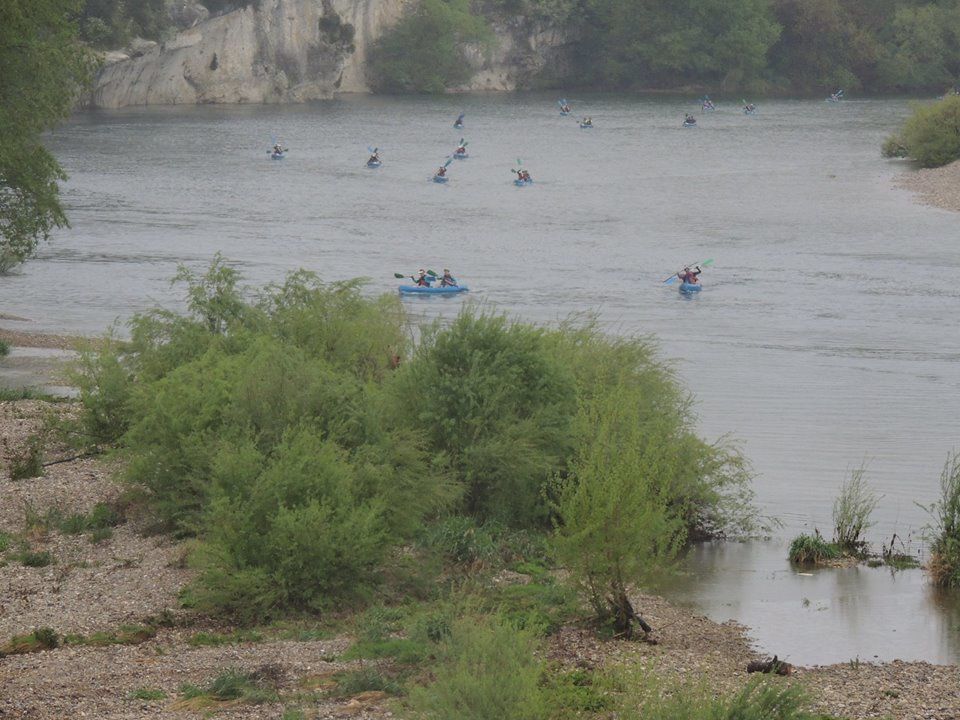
x,y
931,136
42,69
424,51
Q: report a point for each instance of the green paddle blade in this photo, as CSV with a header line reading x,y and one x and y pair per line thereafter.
x,y
431,273
399,276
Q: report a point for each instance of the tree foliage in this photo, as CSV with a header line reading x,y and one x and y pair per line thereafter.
x,y
42,69
424,51
278,429
931,136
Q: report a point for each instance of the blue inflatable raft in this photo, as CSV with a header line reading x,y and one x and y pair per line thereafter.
x,y
690,288
521,183
439,178
438,290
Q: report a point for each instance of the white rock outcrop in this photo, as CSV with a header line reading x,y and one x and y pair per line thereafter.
x,y
273,51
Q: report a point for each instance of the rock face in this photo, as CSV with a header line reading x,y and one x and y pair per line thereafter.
x,y
278,51
273,51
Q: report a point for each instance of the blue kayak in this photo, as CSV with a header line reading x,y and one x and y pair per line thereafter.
x,y
565,112
521,183
586,127
461,156
749,112
439,178
374,165
690,287
277,156
689,125
438,290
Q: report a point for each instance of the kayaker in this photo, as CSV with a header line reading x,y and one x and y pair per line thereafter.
x,y
461,149
689,276
524,175
278,149
689,120
587,121
421,278
375,158
749,107
459,121
565,108
442,172
447,280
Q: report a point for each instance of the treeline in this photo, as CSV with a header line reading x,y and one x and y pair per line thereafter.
x,y
763,45
310,448
114,23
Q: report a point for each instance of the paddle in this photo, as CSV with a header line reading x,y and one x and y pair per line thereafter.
x,y
401,276
673,277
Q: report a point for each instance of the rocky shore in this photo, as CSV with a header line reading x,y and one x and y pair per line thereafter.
x,y
939,187
134,578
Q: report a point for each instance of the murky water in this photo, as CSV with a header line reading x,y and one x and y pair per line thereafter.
x,y
826,334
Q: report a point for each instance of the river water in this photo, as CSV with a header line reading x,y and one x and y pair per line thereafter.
x,y
826,334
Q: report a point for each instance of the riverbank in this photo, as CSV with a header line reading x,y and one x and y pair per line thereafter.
x,y
96,588
938,187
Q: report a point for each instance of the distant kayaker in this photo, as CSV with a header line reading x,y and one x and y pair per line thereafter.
x,y
447,280
442,172
278,149
421,278
587,121
749,107
689,120
459,121
375,158
689,276
461,149
565,108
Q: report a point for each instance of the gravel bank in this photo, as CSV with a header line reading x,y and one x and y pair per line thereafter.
x,y
939,187
98,587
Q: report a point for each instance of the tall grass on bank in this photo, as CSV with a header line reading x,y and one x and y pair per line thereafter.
x,y
279,431
944,532
851,512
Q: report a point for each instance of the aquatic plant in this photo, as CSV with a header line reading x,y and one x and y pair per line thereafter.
x,y
851,512
944,533
808,549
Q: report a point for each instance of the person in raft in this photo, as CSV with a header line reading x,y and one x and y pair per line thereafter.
x,y
689,120
689,276
421,278
447,280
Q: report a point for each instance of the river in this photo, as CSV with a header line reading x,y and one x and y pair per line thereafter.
x,y
825,336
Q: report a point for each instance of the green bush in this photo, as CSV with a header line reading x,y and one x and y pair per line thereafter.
x,y
367,677
944,533
758,700
28,462
147,694
496,405
807,549
486,669
931,136
36,559
617,525
424,51
4,348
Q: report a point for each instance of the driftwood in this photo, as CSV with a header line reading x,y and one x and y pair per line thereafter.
x,y
775,666
625,615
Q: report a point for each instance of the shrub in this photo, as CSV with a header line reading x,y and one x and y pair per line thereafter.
x,y
851,512
807,549
367,677
931,135
757,700
28,463
487,668
424,51
235,684
36,558
4,348
617,525
944,533
498,411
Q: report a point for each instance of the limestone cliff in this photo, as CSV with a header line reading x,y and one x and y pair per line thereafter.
x,y
273,51
277,51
